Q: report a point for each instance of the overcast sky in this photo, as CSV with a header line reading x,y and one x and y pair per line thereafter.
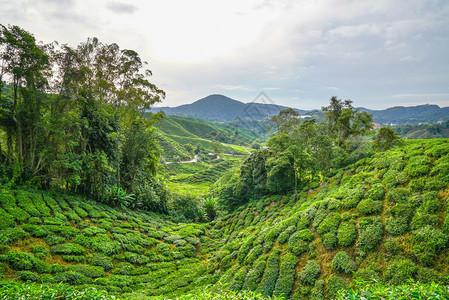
x,y
378,53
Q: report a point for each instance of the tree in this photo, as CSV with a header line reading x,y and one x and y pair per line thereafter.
x,y
23,65
216,146
385,139
343,120
286,120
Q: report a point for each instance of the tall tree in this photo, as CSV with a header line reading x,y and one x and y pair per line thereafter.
x,y
24,64
343,120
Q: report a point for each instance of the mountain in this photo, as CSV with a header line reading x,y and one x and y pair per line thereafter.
x,y
224,109
426,113
221,108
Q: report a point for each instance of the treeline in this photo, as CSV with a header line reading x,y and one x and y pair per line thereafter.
x,y
301,153
71,118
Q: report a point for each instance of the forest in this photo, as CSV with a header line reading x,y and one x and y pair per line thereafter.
x,y
100,198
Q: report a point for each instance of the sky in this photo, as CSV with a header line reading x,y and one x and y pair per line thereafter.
x,y
299,53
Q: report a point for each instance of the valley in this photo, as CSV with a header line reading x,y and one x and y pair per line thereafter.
x,y
105,196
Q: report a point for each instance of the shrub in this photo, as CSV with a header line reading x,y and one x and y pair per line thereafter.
x,y
72,278
103,244
286,279
238,279
68,249
330,223
347,234
393,177
376,192
354,197
417,185
102,261
431,204
334,284
244,249
39,251
370,233
366,276
306,235
6,220
283,237
9,204
427,244
78,259
398,195
400,272
310,273
296,245
319,217
330,240
253,254
28,276
254,276
136,259
88,271
53,239
343,263
271,274
12,235
396,226
25,201
57,268
418,166
369,207
25,261
317,292
421,220
163,249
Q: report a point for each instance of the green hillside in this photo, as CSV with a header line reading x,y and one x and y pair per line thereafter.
x,y
381,219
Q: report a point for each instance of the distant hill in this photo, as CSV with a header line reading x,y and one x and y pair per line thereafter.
x,y
224,109
410,115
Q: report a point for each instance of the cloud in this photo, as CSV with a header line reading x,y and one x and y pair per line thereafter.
x,y
446,95
230,87
121,8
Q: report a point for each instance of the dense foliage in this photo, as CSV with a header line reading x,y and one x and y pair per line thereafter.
x,y
301,153
72,119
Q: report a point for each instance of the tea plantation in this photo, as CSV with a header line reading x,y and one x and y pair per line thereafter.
x,y
382,219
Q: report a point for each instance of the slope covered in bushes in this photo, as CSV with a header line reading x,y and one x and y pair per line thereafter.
x,y
381,219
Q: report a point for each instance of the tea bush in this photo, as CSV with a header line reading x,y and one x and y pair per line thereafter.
x,y
296,245
329,240
283,237
309,273
254,275
330,223
369,207
370,233
420,220
343,263
286,279
6,220
347,234
418,166
68,249
335,284
376,192
400,272
88,271
428,243
271,274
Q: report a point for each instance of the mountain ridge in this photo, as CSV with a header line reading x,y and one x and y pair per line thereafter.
x,y
221,108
